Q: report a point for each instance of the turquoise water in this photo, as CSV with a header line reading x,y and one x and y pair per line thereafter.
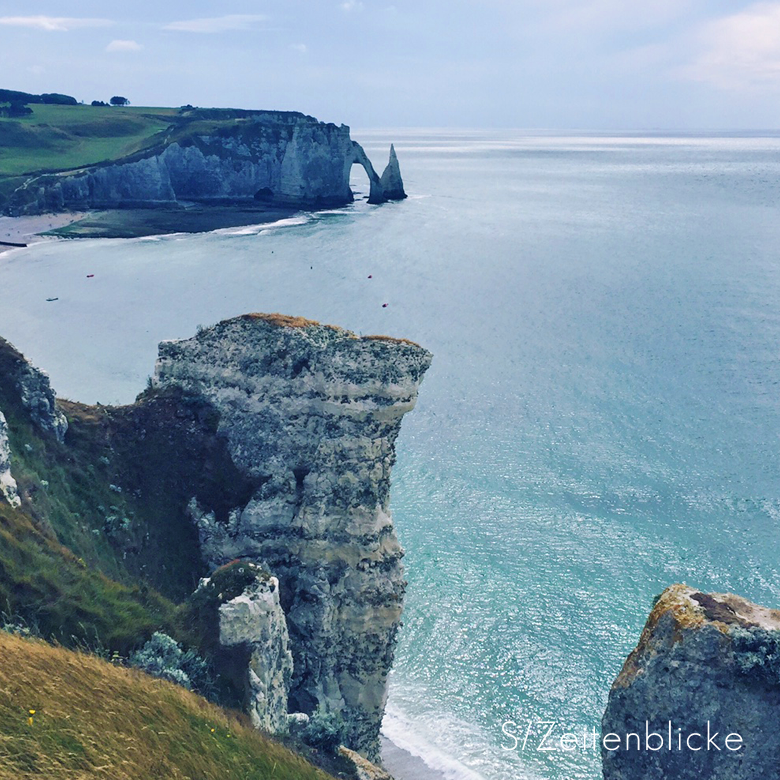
x,y
602,417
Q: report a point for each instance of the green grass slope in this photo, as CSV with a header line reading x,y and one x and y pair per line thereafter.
x,y
58,138
66,715
102,550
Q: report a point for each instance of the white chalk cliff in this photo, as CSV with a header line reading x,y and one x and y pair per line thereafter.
x,y
274,157
311,414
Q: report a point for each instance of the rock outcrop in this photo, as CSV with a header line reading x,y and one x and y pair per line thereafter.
x,y
226,158
701,692
8,488
253,621
363,769
376,192
391,181
35,393
310,414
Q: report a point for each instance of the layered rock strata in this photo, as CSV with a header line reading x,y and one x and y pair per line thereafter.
x,y
310,414
278,158
701,692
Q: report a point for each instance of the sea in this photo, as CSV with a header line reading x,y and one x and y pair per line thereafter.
x,y
601,418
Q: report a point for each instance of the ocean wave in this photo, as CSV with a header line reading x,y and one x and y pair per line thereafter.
x,y
264,227
407,736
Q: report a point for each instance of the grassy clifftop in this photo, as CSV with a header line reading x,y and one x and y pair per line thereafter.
x,y
51,141
95,720
57,138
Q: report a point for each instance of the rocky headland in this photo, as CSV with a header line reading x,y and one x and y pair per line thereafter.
x,y
256,160
250,483
701,692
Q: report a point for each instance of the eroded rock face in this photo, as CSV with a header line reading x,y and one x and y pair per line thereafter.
x,y
281,158
312,413
702,659
38,398
254,621
35,393
8,488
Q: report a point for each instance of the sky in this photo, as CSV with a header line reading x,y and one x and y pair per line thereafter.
x,y
554,64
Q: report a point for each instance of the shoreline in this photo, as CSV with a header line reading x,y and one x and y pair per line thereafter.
x,y
403,765
31,230
18,232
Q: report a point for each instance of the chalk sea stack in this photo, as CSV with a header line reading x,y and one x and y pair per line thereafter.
x,y
708,664
391,181
310,414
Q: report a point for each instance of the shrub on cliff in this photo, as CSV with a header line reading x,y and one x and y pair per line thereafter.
x,y
163,657
325,731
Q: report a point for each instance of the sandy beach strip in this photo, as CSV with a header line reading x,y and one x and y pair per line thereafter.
x,y
26,230
402,765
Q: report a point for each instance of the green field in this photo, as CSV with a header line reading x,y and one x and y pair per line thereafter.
x,y
59,138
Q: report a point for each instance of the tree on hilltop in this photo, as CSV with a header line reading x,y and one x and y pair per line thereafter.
x,y
117,100
15,109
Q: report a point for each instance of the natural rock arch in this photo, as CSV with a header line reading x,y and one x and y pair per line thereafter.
x,y
376,193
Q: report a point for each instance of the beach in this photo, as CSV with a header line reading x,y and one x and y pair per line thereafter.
x,y
135,223
402,765
28,230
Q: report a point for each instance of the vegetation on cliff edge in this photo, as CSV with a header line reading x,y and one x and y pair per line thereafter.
x,y
65,714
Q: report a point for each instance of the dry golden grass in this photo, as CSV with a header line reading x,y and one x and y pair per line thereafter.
x,y
71,716
286,321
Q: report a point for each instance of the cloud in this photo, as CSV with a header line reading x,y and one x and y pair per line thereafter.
x,y
116,46
300,47
741,51
352,5
218,24
53,23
